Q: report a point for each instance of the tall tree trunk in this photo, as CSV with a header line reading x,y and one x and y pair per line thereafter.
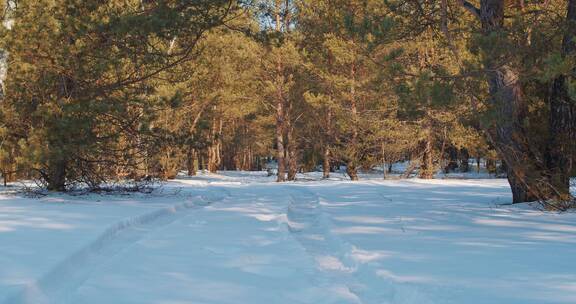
x,y
280,104
193,154
326,162
384,165
212,159
491,166
326,153
214,151
212,148
292,155
292,158
280,151
452,160
201,160
218,148
190,159
464,160
477,163
56,175
506,132
524,170
562,118
427,167
56,171
352,171
411,167
351,166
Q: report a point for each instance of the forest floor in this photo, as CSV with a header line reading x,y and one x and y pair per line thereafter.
x,y
238,237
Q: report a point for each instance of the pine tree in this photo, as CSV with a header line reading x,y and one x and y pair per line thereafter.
x,y
88,63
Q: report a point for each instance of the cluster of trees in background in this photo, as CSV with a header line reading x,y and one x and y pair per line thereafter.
x,y
95,91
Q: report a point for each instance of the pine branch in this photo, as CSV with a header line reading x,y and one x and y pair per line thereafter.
x,y
470,8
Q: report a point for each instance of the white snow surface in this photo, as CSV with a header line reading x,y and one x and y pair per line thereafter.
x,y
239,237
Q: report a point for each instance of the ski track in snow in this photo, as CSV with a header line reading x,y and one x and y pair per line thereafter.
x,y
68,275
337,269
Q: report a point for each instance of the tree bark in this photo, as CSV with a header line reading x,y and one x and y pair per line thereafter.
x,y
351,166
411,167
427,167
214,151
56,175
201,160
491,166
524,169
292,159
190,157
280,104
506,98
326,153
464,160
326,162
452,160
280,151
352,171
477,163
562,119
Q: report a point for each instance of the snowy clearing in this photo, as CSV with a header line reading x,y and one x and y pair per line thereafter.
x,y
238,237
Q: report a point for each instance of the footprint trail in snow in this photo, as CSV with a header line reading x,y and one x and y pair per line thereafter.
x,y
67,276
349,279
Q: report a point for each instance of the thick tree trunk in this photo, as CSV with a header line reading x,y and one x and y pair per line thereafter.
x,y
411,167
56,175
529,175
452,160
352,171
212,167
506,99
520,190
464,160
427,167
524,169
562,119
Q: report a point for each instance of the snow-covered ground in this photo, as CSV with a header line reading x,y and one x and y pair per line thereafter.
x,y
238,237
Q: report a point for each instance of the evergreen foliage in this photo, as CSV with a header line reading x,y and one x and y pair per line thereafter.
x,y
101,91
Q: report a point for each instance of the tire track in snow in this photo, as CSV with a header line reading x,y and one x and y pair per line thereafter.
x,y
351,281
68,275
